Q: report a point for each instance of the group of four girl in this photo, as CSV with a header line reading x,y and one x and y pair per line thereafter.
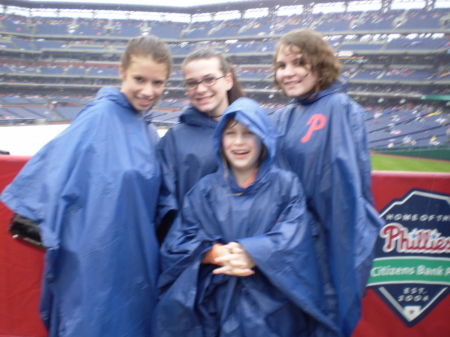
x,y
268,225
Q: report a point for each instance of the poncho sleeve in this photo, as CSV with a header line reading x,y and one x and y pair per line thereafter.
x,y
181,255
187,240
337,178
359,133
168,205
50,181
286,256
344,204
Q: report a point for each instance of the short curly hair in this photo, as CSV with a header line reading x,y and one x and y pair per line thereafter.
x,y
317,53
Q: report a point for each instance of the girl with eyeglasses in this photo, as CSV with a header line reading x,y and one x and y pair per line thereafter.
x,y
185,151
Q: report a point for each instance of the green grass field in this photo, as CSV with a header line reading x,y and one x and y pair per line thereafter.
x,y
396,163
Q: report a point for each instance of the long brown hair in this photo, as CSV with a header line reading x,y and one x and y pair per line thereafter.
x,y
226,67
147,46
317,53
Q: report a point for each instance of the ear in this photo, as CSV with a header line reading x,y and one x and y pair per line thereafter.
x,y
122,74
229,79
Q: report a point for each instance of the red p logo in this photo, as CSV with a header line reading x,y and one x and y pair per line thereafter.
x,y
317,122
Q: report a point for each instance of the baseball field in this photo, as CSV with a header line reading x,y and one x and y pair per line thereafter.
x,y
381,162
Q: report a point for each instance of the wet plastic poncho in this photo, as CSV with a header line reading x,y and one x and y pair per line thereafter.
x,y
323,140
93,191
186,155
284,297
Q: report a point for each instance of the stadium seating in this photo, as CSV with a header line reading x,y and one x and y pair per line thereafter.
x,y
67,55
68,113
16,24
23,44
52,70
125,29
361,46
51,28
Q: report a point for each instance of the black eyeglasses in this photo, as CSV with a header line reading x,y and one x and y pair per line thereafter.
x,y
208,81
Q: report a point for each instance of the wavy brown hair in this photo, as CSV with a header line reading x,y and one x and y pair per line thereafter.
x,y
317,53
226,67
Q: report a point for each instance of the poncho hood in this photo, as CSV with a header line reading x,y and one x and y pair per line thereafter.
x,y
338,86
249,113
93,190
192,116
268,218
114,94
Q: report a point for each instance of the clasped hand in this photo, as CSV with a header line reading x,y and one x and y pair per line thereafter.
x,y
234,260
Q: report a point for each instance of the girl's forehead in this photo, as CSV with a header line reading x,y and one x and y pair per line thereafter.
x,y
137,61
234,124
141,58
290,51
231,123
147,67
212,63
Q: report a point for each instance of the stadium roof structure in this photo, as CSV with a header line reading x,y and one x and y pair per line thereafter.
x,y
192,10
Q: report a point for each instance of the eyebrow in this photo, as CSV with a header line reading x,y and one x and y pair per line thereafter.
x,y
204,76
298,56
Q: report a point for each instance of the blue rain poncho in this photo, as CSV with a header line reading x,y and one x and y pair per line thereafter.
x,y
284,297
93,191
186,155
323,140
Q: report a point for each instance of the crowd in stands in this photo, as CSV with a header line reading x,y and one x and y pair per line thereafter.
x,y
330,22
237,47
402,125
407,125
354,73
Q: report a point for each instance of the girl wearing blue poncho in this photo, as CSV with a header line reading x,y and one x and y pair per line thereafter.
x,y
93,191
323,141
242,260
185,151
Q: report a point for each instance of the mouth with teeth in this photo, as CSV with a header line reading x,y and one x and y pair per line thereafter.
x,y
291,84
240,153
203,99
145,102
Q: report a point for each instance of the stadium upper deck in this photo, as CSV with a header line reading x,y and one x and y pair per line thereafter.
x,y
357,37
389,55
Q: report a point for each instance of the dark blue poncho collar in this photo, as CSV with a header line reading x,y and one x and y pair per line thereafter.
x,y
115,95
336,87
192,116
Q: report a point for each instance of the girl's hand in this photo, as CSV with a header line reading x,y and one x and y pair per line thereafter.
x,y
236,263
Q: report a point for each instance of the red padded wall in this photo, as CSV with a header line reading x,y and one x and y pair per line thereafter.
x,y
20,270
21,267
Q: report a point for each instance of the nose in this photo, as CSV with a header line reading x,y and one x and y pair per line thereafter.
x,y
239,139
148,90
288,70
201,87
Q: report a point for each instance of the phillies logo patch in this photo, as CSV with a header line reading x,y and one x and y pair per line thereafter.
x,y
316,122
411,271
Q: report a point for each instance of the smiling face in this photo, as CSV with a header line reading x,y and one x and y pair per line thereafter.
x,y
211,100
241,148
143,82
293,73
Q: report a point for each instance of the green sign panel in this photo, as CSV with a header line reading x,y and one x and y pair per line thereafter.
x,y
411,270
